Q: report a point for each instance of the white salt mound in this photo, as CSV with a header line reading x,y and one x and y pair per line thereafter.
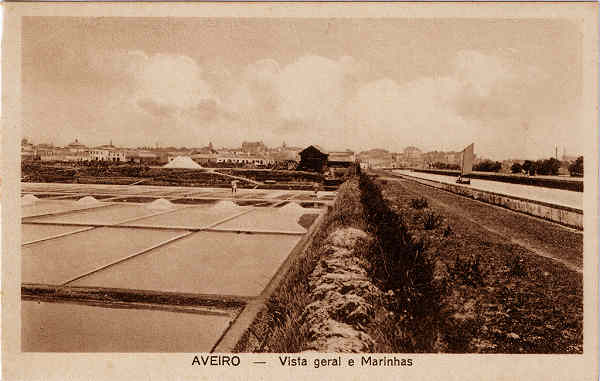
x,y
87,200
225,205
29,199
292,207
160,204
182,162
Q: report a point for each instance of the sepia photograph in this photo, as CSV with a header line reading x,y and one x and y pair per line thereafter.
x,y
302,188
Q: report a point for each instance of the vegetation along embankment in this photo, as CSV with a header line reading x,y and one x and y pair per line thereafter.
x,y
387,272
362,285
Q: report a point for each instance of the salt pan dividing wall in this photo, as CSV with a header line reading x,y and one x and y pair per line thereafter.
x,y
563,215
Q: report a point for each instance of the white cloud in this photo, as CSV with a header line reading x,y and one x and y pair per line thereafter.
x,y
299,101
386,114
314,99
172,81
481,72
311,89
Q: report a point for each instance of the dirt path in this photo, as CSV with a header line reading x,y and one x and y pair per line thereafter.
x,y
537,236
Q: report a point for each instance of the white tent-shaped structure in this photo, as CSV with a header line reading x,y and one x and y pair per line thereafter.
x,y
182,162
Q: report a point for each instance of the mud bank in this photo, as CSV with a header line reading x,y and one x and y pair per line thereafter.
x,y
341,306
283,325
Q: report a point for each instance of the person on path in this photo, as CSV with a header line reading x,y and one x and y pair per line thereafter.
x,y
233,186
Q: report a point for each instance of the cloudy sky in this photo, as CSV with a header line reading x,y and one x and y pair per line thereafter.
x,y
511,86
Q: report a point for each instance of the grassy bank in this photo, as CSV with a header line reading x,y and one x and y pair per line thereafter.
x,y
401,268
495,296
404,317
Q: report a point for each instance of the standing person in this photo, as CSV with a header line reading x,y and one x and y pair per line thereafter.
x,y
233,186
316,189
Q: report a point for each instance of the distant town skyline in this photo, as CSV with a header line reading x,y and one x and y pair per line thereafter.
x,y
559,153
513,87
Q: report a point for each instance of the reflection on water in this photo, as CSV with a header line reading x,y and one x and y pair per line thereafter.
x,y
135,199
79,196
203,201
316,205
253,203
193,201
46,195
304,204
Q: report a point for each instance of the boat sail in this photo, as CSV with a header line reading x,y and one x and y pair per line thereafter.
x,y
466,164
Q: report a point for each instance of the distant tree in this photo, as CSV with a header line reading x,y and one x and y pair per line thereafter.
x,y
540,169
529,167
548,166
516,168
488,166
576,169
553,165
442,165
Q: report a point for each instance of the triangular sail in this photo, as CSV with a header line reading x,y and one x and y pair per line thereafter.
x,y
467,160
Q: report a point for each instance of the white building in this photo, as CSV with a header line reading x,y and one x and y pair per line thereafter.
x,y
98,154
244,160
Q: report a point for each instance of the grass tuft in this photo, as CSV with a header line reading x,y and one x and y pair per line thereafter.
x,y
431,220
419,203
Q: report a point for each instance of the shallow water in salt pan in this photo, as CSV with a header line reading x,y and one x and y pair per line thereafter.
x,y
59,260
110,214
203,263
30,232
63,327
270,219
193,217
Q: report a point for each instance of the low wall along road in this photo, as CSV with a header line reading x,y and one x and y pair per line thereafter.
x,y
562,214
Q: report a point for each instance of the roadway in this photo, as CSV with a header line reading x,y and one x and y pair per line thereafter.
x,y
561,197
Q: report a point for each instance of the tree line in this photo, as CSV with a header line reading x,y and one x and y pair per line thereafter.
x,y
547,167
484,166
